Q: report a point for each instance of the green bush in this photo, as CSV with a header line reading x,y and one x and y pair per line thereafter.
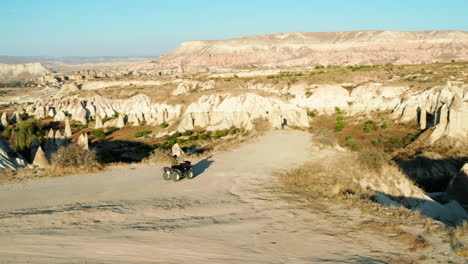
x,y
176,134
367,127
187,133
142,133
311,113
98,133
203,137
319,67
340,123
111,129
337,110
219,134
164,125
193,138
232,131
384,125
351,142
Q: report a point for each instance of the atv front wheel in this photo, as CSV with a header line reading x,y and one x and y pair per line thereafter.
x,y
166,175
190,174
176,175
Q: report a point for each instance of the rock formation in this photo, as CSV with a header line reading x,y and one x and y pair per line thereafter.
x,y
458,186
59,139
35,144
83,141
40,159
8,159
18,72
120,121
16,118
4,120
68,132
98,122
177,150
306,48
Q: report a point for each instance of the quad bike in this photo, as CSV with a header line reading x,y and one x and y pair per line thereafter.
x,y
183,170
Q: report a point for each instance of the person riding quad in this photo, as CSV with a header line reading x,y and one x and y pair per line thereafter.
x,y
175,161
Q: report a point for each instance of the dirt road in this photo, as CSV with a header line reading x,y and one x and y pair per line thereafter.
x,y
224,215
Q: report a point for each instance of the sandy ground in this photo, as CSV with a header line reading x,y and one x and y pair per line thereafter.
x,y
224,215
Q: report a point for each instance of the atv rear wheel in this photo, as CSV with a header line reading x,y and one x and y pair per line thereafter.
x,y
176,175
167,175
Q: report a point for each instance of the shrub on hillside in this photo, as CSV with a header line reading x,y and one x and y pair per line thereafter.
x,y
142,133
311,113
164,125
98,133
374,159
352,143
159,155
219,134
111,129
232,131
74,156
340,124
384,125
187,133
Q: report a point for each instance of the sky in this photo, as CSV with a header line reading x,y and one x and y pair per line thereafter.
x,y
150,28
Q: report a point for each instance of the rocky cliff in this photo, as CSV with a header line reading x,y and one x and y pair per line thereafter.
x,y
312,48
20,72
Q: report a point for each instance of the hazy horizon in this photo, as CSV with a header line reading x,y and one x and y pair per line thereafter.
x,y
151,28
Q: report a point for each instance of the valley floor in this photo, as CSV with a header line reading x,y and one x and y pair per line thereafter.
x,y
224,215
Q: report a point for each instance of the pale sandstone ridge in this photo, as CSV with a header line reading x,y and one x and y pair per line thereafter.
x,y
24,71
311,48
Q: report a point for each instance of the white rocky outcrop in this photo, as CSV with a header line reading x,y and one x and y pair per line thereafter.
x,y
8,159
40,158
93,85
83,141
23,71
4,120
326,48
68,131
222,111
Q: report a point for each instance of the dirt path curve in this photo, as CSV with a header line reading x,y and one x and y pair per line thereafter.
x,y
224,215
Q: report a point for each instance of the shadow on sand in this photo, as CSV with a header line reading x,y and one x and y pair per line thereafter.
x,y
354,260
202,166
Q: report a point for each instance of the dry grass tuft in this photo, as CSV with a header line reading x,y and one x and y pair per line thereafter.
x,y
158,156
414,242
72,159
55,171
74,156
459,239
353,182
324,137
261,125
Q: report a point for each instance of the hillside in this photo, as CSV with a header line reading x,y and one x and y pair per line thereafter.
x,y
312,48
24,71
